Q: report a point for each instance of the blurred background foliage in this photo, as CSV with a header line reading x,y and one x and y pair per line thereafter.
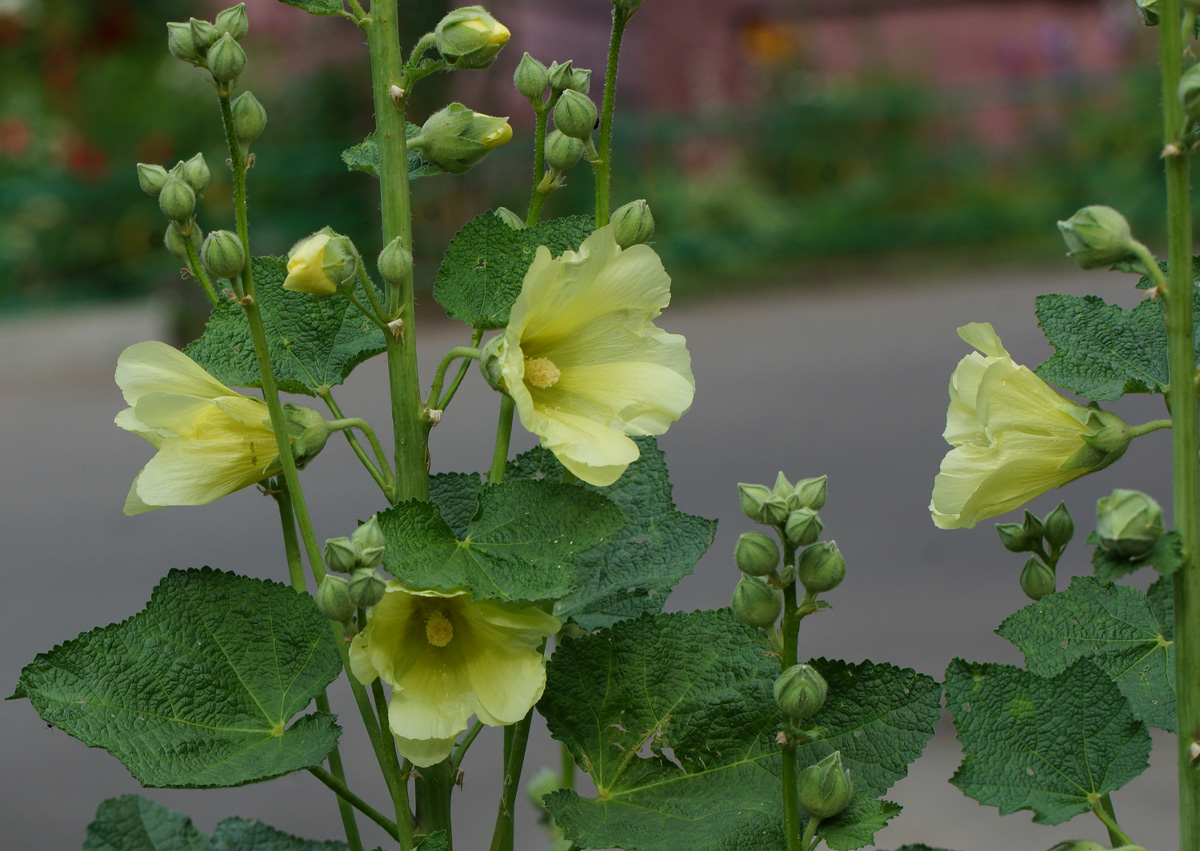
x,y
817,173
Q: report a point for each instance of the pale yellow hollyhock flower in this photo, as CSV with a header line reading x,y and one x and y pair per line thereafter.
x,y
583,360
1013,437
306,267
448,657
211,441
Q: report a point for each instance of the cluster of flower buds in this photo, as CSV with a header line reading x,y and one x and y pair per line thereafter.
x,y
1128,524
177,191
322,264
1045,539
213,45
456,137
339,598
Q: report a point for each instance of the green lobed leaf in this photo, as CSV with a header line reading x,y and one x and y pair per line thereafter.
x,y
434,842
1166,557
314,343
1115,626
1046,744
365,156
197,689
457,498
235,834
879,716
520,544
1103,351
856,826
485,265
673,718
317,7
634,571
134,823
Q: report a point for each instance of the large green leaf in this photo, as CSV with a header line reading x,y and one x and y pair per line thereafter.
x,y
198,688
314,342
673,718
1103,351
134,823
520,542
485,265
365,156
1052,745
635,570
1127,633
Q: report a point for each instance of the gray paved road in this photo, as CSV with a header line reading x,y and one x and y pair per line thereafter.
x,y
849,383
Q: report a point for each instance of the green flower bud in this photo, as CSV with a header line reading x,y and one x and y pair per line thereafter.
x,y
580,81
1097,237
368,535
560,76
222,254
204,35
177,200
509,218
1033,528
803,527
755,604
196,173
491,361
395,263
633,224
340,555
470,38
531,78
333,599
226,60
366,588
809,493
455,138
1037,579
309,431
233,21
756,554
562,152
177,243
826,788
1128,523
821,567
1058,527
752,498
575,114
321,264
782,487
800,692
151,178
1014,539
181,44
249,118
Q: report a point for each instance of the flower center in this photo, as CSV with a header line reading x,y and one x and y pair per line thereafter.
x,y
438,629
541,372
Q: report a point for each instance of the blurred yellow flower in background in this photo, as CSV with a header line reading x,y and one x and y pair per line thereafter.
x,y
448,657
583,360
1014,438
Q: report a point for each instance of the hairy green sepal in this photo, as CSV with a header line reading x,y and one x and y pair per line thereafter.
x,y
365,156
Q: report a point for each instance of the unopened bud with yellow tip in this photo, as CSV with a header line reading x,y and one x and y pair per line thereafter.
x,y
321,264
470,37
456,137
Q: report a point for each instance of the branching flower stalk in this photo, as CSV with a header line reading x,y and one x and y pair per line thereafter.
x,y
1184,414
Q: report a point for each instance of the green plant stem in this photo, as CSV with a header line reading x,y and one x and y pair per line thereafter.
x,y
344,794
603,166
368,312
790,632
291,547
1184,414
535,205
502,835
383,40
809,842
1146,428
503,436
346,423
460,750
1103,811
381,474
369,288
443,402
358,11
197,270
466,352
433,789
